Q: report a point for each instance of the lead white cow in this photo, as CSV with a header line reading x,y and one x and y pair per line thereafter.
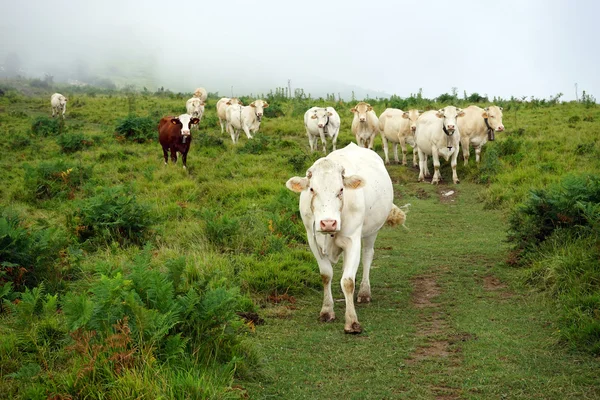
x,y
399,127
247,118
323,123
477,127
345,198
365,124
195,108
222,105
438,135
59,104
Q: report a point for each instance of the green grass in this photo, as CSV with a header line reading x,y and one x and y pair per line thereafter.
x,y
228,228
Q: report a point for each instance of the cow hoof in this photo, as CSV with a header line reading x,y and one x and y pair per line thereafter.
x,y
355,329
326,317
365,298
456,182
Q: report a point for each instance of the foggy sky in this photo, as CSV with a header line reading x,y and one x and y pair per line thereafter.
x,y
498,48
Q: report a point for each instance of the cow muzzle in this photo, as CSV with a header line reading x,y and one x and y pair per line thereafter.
x,y
328,225
413,128
362,119
320,125
259,117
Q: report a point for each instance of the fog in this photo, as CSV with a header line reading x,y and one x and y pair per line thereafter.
x,y
501,48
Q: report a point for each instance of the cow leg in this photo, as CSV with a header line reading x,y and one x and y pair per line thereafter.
x,y
453,162
436,166
371,142
368,244
323,141
415,163
310,141
166,154
232,132
247,131
385,148
184,159
327,314
422,165
464,142
221,123
351,261
403,147
174,156
477,154
333,140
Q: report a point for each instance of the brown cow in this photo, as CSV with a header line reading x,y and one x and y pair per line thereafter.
x,y
174,134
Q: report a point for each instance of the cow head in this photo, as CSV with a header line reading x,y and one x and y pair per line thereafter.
x,y
325,183
412,116
259,106
493,114
185,121
361,109
322,117
449,115
197,109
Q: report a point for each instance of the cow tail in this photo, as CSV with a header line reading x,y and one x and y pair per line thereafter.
x,y
397,216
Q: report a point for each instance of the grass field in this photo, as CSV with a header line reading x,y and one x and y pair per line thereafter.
x,y
125,278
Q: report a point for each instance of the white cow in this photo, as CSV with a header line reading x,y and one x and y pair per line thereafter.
x,y
59,104
365,124
222,105
201,94
195,108
477,127
244,117
321,122
438,135
399,126
345,199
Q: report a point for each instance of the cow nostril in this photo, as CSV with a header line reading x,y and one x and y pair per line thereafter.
x,y
328,225
450,126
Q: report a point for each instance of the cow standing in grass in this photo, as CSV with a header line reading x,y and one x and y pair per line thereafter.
x,y
222,106
174,135
365,124
59,104
345,199
399,127
195,108
246,118
477,127
321,122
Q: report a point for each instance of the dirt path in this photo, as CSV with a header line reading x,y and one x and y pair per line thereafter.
x,y
443,323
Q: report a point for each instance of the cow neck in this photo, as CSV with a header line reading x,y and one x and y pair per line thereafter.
x,y
490,131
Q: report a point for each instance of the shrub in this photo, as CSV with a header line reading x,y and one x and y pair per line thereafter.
x,y
257,145
114,215
205,140
274,110
72,142
54,179
574,119
19,141
509,147
298,162
44,126
137,129
28,255
490,165
571,204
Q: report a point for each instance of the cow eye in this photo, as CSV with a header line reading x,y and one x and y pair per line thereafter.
x,y
312,190
491,116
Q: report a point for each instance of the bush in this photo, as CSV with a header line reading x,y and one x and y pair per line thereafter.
x,y
490,165
27,255
259,144
509,147
19,141
44,126
205,140
137,129
113,215
274,111
571,204
72,142
55,179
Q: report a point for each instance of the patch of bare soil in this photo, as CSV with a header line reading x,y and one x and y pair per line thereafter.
x,y
493,284
420,193
447,194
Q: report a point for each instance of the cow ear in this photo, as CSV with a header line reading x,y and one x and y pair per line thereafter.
x,y
297,184
501,109
369,108
174,121
405,115
329,114
353,109
440,113
314,116
195,120
265,104
253,105
228,103
460,113
353,182
484,115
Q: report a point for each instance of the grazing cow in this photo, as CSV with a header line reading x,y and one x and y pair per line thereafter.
x,y
222,105
244,117
201,94
345,199
174,134
195,108
438,135
59,104
365,124
399,126
321,122
477,127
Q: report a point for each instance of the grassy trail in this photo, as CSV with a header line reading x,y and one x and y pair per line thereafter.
x,y
447,320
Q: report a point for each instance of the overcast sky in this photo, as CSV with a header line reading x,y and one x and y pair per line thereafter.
x,y
499,48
